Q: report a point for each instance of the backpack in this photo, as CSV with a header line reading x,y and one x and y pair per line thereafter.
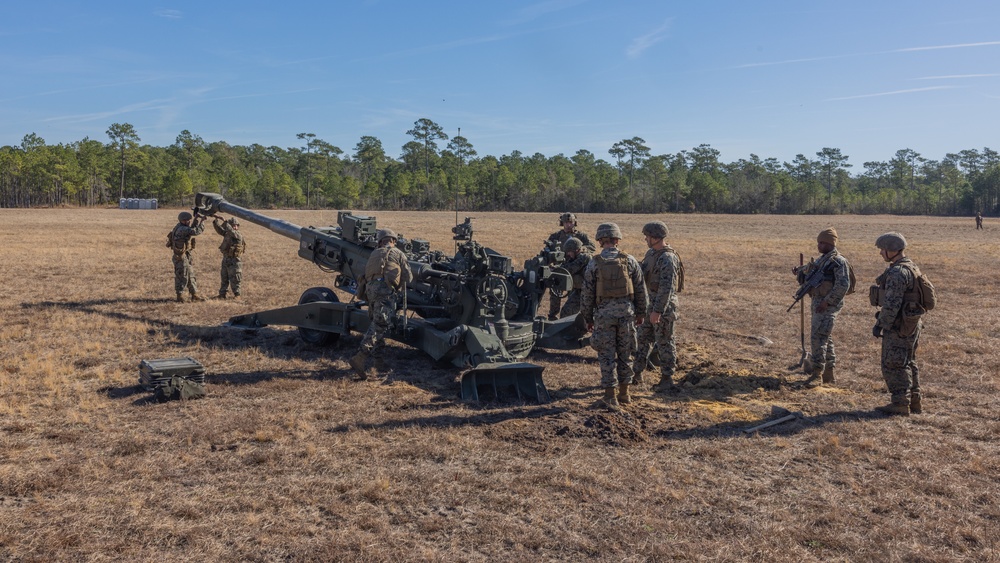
x,y
612,277
923,290
380,267
179,388
852,277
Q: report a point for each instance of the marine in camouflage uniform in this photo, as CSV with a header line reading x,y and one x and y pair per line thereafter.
x,y
577,258
382,292
612,307
568,230
660,270
232,248
181,241
894,292
826,301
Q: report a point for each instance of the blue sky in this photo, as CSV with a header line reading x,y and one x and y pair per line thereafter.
x,y
773,79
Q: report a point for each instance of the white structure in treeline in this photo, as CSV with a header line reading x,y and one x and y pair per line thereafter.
x,y
136,203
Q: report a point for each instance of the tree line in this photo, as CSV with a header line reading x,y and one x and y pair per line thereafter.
x,y
428,176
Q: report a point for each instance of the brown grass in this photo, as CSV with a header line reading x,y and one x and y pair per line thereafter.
x,y
287,459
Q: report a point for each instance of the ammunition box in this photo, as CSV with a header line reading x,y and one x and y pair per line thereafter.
x,y
156,373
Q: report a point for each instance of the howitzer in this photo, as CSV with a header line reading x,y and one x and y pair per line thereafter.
x,y
473,309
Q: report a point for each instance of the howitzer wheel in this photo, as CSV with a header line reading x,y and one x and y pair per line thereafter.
x,y
312,336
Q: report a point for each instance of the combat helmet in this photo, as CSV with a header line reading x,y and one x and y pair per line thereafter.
x,y
233,221
892,242
383,234
184,216
567,217
572,244
608,230
655,229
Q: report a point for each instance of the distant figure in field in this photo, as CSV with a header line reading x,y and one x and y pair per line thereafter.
x,y
979,220
181,240
568,223
233,246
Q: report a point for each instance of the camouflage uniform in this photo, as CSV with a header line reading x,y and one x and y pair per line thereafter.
x,y
614,320
561,236
899,367
832,290
232,249
660,269
575,267
181,240
382,302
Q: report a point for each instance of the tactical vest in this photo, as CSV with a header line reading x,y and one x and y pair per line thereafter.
x,y
613,279
653,282
180,242
380,268
920,292
237,246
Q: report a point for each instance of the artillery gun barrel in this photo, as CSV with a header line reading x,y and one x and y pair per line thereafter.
x,y
210,204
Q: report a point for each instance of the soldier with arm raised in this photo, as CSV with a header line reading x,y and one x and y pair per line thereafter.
x,y
233,246
181,240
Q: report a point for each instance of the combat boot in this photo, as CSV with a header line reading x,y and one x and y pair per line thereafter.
x,y
180,297
610,400
814,378
222,295
358,362
196,297
828,378
623,396
666,384
915,407
898,407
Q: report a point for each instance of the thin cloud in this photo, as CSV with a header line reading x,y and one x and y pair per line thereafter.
x,y
151,105
535,11
643,42
168,14
893,93
951,76
955,46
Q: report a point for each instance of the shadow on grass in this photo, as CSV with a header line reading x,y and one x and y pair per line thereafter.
x,y
478,418
799,424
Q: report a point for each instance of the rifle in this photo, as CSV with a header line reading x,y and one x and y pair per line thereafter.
x,y
812,280
802,322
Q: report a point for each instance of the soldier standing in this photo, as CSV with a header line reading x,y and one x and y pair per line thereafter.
x,y
661,270
386,274
233,246
181,240
568,223
827,299
577,258
979,220
614,302
895,293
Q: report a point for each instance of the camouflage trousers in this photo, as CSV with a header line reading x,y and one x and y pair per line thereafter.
x,y
614,341
662,336
554,304
899,365
381,311
572,305
232,275
821,338
184,273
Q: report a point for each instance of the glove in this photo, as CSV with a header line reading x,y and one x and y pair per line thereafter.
x,y
876,315
877,331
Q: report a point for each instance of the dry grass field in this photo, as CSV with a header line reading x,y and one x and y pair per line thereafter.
x,y
288,459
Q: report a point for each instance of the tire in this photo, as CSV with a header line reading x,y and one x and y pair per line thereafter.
x,y
312,336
